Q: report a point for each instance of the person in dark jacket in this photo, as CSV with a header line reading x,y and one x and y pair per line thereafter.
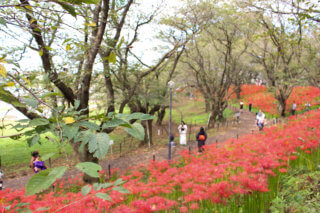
x,y
201,138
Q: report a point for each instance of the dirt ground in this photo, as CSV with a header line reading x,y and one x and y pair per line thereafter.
x,y
145,155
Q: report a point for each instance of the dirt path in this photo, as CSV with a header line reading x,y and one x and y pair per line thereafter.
x,y
227,131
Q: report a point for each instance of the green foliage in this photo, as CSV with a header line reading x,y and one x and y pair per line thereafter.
x,y
85,190
99,145
30,102
299,193
136,131
91,169
103,196
47,156
43,180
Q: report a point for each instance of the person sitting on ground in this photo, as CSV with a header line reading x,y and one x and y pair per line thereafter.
x,y
33,157
201,138
260,120
37,164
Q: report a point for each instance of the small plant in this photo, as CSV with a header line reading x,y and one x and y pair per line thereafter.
x,y
300,192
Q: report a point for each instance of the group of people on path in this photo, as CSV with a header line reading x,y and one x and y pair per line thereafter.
x,y
201,136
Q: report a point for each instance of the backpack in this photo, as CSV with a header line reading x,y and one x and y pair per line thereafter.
x,y
202,137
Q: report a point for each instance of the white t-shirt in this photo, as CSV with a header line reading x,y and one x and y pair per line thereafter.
x,y
184,127
294,106
260,117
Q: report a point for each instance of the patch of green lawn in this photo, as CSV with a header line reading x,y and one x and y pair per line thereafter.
x,y
17,152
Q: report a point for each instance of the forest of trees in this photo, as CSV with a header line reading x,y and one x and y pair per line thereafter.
x,y
62,60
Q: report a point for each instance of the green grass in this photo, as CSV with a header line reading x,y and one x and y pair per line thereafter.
x,y
191,111
17,152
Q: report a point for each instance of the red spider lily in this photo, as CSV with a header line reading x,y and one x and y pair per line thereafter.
x,y
236,167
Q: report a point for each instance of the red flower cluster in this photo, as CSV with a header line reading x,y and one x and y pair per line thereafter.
x,y
260,98
235,167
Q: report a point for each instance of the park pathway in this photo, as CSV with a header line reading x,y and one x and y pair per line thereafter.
x,y
221,134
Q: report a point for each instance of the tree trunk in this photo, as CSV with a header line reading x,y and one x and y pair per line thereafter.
x,y
122,105
145,140
207,105
161,115
283,105
85,156
238,91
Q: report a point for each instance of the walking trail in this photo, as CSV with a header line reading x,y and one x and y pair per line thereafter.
x,y
245,126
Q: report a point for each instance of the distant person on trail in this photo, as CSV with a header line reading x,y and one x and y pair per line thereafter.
x,y
36,164
294,106
201,138
183,133
250,106
172,140
307,106
260,120
241,106
1,181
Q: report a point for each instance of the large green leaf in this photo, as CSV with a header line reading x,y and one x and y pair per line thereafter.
x,y
99,145
85,190
114,123
103,196
91,169
89,125
136,131
69,8
98,186
43,180
47,156
121,189
31,102
33,140
70,131
118,182
38,122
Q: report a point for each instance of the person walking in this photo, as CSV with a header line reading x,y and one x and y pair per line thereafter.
x,y
250,106
294,106
201,138
307,106
241,106
260,120
183,133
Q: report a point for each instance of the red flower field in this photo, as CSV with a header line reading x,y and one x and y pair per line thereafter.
x,y
264,100
223,172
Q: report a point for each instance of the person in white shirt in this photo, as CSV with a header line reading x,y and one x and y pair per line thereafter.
x,y
183,133
294,106
241,106
260,120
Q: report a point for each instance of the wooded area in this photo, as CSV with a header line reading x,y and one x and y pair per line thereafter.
x,y
90,69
